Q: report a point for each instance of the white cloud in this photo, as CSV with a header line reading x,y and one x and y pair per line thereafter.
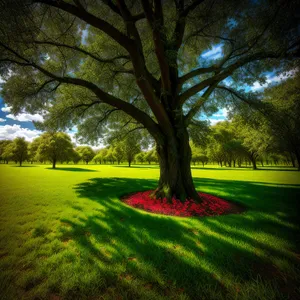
x,y
2,120
26,117
214,121
214,53
12,131
6,108
222,113
272,79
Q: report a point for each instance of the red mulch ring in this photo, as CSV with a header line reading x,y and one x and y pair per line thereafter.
x,y
210,205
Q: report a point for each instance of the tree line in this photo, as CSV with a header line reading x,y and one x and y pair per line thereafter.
x,y
233,143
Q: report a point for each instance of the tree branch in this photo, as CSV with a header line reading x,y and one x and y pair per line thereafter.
x,y
128,108
81,50
191,7
91,19
195,73
194,110
227,72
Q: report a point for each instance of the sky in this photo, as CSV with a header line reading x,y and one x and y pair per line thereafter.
x,y
22,125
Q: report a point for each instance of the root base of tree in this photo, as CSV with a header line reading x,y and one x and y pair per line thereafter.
x,y
210,205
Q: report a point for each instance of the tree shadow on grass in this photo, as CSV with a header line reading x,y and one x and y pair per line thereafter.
x,y
138,166
163,255
73,169
284,169
23,166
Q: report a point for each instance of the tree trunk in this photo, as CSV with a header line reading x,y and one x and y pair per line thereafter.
x,y
298,159
175,168
129,163
292,160
54,164
253,161
20,163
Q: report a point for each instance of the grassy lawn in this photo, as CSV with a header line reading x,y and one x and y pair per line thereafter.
x,y
64,234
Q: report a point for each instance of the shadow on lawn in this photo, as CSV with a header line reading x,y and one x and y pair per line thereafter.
x,y
72,169
138,166
23,166
161,251
285,169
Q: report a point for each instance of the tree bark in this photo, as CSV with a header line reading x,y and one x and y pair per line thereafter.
x,y
53,163
298,159
253,161
292,160
175,168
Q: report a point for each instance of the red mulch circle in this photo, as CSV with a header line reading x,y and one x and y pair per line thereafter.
x,y
210,205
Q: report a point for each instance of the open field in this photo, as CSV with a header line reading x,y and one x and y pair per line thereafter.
x,y
64,234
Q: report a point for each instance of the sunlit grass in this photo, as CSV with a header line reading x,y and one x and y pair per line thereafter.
x,y
64,233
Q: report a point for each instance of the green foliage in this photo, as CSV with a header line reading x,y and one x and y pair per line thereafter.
x,y
5,154
151,156
131,147
140,157
86,153
53,146
255,37
17,150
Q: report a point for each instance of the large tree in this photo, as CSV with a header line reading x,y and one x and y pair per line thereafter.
x,y
140,62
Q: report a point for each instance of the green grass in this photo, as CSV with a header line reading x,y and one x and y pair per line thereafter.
x,y
64,234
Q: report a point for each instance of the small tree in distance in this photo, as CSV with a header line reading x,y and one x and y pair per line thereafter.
x,y
54,146
20,150
86,153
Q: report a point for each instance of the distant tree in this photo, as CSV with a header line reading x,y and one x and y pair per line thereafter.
x,y
140,157
8,152
196,152
131,147
19,150
5,155
86,153
256,139
33,149
283,116
151,156
118,152
110,155
75,157
101,156
54,146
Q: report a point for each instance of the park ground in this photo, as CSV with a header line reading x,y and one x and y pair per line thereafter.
x,y
64,234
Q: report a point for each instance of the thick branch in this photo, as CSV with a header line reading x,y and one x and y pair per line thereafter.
x,y
195,109
91,19
191,7
197,72
155,20
83,51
